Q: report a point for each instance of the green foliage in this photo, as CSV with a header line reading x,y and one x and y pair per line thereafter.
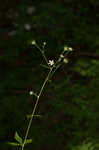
x,y
18,138
87,68
87,145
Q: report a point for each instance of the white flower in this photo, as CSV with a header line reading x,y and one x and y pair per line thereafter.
x,y
65,60
65,48
51,62
70,49
44,43
31,92
61,56
33,42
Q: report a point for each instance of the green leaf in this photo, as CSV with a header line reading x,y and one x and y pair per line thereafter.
x,y
28,141
45,66
14,144
18,138
30,116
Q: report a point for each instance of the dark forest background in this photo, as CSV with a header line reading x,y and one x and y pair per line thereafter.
x,y
70,104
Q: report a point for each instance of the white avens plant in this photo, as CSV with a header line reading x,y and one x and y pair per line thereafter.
x,y
52,66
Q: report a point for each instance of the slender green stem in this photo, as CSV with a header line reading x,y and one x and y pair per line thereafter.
x,y
34,109
43,53
55,70
45,57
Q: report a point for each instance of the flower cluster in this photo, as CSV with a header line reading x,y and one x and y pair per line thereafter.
x,y
67,48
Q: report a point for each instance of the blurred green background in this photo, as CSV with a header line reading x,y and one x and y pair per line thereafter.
x,y
70,104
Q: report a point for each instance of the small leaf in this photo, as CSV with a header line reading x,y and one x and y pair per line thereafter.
x,y
18,138
45,66
14,144
30,116
28,141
